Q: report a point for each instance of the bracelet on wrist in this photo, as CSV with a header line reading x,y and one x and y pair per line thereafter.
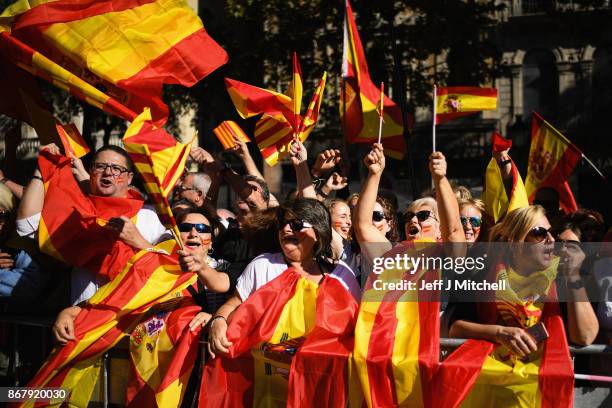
x,y
504,162
210,322
321,193
37,177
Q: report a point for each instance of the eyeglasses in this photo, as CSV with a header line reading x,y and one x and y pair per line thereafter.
x,y
378,216
115,169
475,222
182,189
420,215
539,233
296,225
200,228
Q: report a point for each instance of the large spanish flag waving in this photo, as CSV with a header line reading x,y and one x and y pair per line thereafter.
x,y
397,334
129,47
498,201
360,97
291,345
149,278
456,101
552,159
72,228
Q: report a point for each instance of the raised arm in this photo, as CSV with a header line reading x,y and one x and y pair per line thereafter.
x,y
242,151
212,167
299,159
448,208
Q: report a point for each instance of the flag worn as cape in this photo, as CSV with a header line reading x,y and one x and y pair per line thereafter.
x,y
71,226
150,277
498,201
130,47
360,97
163,352
552,159
291,344
456,101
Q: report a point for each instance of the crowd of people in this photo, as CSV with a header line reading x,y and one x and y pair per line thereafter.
x,y
237,251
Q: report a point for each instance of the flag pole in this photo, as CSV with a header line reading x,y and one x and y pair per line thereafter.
x,y
380,113
593,166
433,125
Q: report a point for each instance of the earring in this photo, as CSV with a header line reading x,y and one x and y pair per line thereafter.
x,y
210,251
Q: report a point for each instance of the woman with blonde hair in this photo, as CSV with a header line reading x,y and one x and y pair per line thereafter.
x,y
471,214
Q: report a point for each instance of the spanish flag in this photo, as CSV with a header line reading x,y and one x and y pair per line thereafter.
x,y
149,278
129,47
498,201
72,141
552,159
72,228
163,352
227,131
291,345
454,102
360,97
397,334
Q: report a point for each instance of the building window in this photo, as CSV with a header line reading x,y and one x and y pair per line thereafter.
x,y
540,84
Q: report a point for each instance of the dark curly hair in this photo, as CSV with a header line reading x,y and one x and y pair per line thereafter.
x,y
215,223
389,212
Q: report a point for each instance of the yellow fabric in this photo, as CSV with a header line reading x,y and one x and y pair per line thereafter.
x,y
297,319
495,197
15,9
128,41
464,103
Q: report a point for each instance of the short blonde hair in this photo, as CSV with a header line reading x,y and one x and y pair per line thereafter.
x,y
515,226
471,202
425,201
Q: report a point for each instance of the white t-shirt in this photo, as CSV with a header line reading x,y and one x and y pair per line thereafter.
x,y
266,267
84,283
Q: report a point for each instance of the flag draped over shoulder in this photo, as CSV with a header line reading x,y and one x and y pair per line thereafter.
x,y
129,47
360,97
163,352
72,228
291,345
552,159
498,201
397,336
160,160
150,277
454,102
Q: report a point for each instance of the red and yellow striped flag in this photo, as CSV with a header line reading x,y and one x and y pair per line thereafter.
x,y
397,335
160,160
227,131
498,202
70,225
291,345
129,47
360,97
456,101
552,159
295,90
150,277
163,352
72,140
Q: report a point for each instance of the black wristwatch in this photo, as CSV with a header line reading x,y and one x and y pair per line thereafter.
x,y
504,162
577,284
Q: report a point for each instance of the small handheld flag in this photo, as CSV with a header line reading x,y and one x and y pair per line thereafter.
x,y
227,132
72,140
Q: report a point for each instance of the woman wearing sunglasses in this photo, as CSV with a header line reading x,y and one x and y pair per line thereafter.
x,y
507,319
470,213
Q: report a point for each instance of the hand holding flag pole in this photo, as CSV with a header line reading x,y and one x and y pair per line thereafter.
x,y
380,109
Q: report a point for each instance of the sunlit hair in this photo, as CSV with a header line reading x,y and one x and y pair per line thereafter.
x,y
471,202
259,229
389,212
422,202
332,203
515,226
462,192
352,197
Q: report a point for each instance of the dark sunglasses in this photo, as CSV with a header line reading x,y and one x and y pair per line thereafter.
x,y
296,225
474,221
420,215
539,233
200,228
378,216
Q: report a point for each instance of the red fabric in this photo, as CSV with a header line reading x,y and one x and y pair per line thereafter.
x,y
500,143
71,219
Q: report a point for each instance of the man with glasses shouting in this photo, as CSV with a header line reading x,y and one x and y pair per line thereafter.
x,y
107,194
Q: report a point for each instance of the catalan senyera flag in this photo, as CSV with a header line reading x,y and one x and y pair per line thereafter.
x,y
397,336
360,97
543,379
274,134
453,102
72,140
296,90
72,228
129,47
163,352
160,160
227,131
498,202
291,345
552,159
149,278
